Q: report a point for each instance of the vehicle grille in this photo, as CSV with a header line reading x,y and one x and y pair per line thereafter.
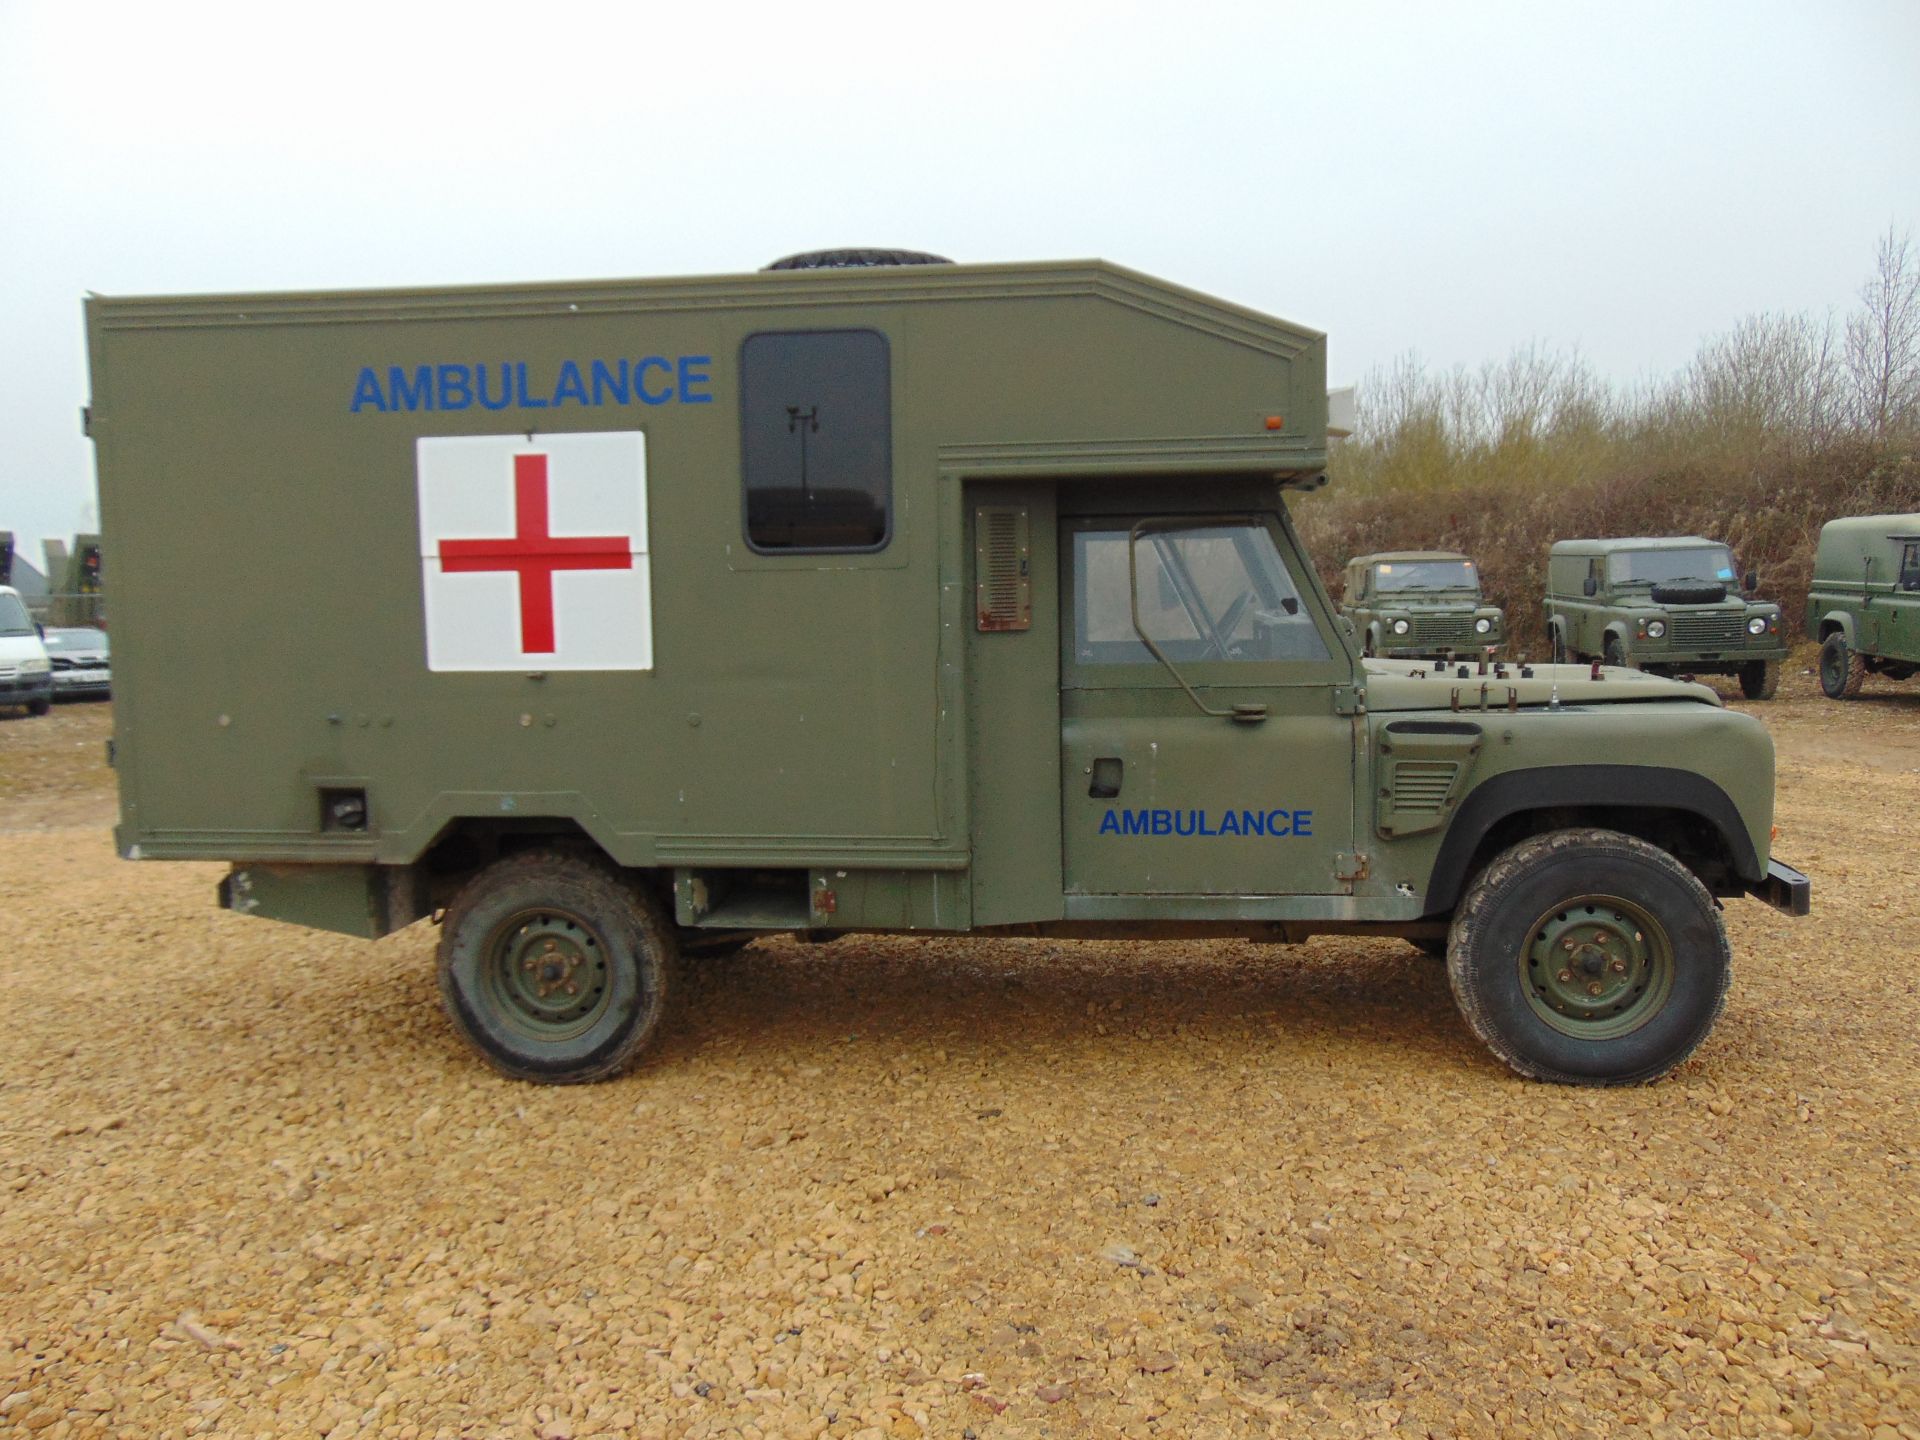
x,y
7,672
1420,787
1707,630
1441,630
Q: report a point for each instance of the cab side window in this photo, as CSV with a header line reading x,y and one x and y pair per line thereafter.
x,y
1205,592
1910,566
816,440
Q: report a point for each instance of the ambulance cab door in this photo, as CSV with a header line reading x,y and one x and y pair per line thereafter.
x,y
1237,782
1012,702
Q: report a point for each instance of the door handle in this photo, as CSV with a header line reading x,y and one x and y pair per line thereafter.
x,y
1106,773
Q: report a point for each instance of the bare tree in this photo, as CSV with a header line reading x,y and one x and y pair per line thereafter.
x,y
1883,341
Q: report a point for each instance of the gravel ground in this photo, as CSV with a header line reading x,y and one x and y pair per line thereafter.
x,y
253,1186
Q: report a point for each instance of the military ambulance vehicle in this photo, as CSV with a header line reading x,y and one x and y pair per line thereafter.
x,y
1864,604
1668,606
608,623
1418,603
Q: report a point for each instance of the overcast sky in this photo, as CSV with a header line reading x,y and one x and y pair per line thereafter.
x,y
1452,179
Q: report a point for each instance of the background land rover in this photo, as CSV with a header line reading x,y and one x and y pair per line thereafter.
x,y
901,644
1864,603
1418,603
1668,605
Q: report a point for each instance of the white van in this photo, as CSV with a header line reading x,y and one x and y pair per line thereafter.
x,y
26,675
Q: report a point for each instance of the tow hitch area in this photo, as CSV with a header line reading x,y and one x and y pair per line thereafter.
x,y
1785,889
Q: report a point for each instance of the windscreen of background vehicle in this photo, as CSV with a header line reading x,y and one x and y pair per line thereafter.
x,y
1425,575
76,640
1710,563
14,619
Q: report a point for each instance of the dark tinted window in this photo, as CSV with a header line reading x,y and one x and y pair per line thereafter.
x,y
816,439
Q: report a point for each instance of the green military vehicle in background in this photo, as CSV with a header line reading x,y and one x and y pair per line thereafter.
x,y
1418,603
612,623
1864,604
1667,605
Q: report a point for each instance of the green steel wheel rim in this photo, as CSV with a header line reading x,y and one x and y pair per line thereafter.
x,y
544,972
1597,967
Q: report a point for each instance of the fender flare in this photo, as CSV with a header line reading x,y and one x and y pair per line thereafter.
x,y
1618,631
1840,620
1592,787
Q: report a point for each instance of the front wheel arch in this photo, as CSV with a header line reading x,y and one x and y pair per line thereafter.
x,y
1836,621
1677,810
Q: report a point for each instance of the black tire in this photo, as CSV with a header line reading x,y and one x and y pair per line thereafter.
x,y
1612,654
1760,679
855,259
595,1005
1652,1012
39,707
1687,594
1843,670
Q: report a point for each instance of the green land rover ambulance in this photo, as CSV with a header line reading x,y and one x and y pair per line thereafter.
x,y
606,626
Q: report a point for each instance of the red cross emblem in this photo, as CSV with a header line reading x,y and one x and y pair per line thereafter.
x,y
534,555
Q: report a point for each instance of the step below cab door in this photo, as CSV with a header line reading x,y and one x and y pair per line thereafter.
x,y
1224,765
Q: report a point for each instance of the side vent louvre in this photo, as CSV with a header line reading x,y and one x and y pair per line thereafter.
x,y
1420,787
1002,567
1423,767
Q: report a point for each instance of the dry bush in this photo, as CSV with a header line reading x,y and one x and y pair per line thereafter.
x,y
1776,427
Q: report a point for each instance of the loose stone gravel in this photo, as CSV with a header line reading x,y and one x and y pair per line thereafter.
x,y
253,1186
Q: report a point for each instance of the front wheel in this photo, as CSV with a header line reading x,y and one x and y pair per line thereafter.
x,y
1612,654
1843,670
1560,653
1588,957
555,968
39,707
1760,679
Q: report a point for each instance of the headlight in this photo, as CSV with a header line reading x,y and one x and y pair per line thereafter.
x,y
35,667
1400,627
1482,625
1656,628
1757,625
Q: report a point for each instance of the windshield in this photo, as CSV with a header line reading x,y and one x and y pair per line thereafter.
x,y
76,639
14,619
1391,577
1712,564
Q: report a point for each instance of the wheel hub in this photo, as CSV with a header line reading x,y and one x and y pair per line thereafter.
x,y
549,971
1596,968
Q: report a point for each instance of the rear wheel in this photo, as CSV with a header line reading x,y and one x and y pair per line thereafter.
x,y
555,968
1760,679
1588,957
1843,670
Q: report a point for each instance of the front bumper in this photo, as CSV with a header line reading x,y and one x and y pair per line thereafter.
x,y
71,683
1785,889
26,689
